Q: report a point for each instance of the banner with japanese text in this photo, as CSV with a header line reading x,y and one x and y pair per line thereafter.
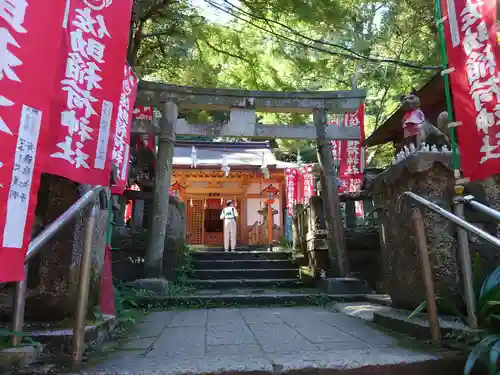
x,y
350,156
121,143
307,183
94,43
291,181
28,60
470,33
143,113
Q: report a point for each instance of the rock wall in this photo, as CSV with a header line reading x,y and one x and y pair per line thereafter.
x,y
53,273
429,175
310,241
128,261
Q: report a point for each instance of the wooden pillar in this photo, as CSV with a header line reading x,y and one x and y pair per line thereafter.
x,y
329,191
138,214
270,223
350,213
161,194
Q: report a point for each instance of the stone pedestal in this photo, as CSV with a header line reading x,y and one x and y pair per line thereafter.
x,y
54,271
429,175
128,259
175,239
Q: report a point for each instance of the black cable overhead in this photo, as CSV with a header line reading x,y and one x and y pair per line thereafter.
x,y
350,54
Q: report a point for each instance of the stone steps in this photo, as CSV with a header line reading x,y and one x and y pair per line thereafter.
x,y
245,274
216,269
248,297
240,255
244,283
224,264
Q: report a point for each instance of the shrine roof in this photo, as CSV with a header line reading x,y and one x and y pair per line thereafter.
x,y
432,103
239,154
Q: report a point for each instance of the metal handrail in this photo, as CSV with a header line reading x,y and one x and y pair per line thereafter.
x,y
35,247
463,249
49,232
469,200
457,220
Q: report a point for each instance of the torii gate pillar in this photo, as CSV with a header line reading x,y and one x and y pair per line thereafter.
x,y
161,194
339,262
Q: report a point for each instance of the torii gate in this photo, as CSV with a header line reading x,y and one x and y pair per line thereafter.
x,y
243,105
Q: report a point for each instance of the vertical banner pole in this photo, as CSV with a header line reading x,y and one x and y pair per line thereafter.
x,y
447,87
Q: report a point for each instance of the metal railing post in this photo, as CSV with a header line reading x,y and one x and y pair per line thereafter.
x,y
19,303
418,224
465,259
83,287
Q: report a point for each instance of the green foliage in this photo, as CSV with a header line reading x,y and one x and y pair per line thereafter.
x,y
290,45
184,267
488,315
6,338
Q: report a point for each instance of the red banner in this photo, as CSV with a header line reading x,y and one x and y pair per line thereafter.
x,y
27,75
351,156
470,33
307,178
95,37
292,177
121,148
143,113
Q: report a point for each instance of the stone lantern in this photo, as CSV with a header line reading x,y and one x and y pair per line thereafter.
x,y
269,194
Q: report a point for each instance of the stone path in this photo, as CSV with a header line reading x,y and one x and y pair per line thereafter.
x,y
253,339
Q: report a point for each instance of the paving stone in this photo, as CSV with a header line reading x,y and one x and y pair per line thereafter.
x,y
179,341
146,330
343,345
189,318
137,344
159,317
273,340
322,332
224,317
254,316
248,349
347,359
280,338
359,329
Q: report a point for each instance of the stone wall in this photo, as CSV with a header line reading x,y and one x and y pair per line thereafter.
x,y
311,246
429,175
53,273
131,243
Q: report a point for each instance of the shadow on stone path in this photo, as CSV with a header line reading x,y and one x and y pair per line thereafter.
x,y
253,339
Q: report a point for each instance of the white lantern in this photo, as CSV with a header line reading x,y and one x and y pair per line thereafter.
x,y
225,166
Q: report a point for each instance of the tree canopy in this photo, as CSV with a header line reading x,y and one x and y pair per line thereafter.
x,y
386,46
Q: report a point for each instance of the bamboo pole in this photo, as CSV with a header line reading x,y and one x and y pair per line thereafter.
x,y
447,88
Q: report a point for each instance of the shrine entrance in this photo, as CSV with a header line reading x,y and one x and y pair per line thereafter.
x,y
243,107
204,226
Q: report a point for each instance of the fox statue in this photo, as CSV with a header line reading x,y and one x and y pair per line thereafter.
x,y
417,129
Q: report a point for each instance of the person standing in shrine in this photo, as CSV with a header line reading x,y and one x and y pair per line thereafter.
x,y
229,215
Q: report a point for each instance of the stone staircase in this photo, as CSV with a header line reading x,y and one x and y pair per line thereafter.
x,y
216,269
245,277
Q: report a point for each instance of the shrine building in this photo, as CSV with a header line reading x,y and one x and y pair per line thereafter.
x,y
205,175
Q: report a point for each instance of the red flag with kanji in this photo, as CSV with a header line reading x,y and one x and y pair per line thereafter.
x,y
121,140
95,37
29,48
471,43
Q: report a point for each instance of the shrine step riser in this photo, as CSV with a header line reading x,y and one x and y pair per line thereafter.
x,y
244,264
217,301
240,256
256,283
245,274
